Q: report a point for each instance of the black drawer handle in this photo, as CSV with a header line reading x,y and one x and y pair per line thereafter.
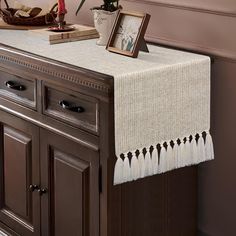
x,y
67,106
13,85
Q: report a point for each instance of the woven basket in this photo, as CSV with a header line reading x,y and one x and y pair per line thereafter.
x,y
8,17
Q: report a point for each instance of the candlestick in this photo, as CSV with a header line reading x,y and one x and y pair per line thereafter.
x,y
61,13
61,7
61,24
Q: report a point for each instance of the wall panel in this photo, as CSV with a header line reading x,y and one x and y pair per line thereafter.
x,y
211,6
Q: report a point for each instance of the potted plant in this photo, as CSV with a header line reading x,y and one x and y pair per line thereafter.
x,y
104,17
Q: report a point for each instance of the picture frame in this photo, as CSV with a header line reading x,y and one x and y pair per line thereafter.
x,y
127,36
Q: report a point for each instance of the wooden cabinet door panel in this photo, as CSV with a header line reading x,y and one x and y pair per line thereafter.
x,y
69,172
69,199
16,160
19,168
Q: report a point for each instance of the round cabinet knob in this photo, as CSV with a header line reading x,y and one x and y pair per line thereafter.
x,y
33,187
42,191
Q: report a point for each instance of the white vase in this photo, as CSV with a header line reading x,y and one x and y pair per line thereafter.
x,y
103,22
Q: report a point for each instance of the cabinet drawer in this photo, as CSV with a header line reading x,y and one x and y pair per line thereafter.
x,y
71,107
18,89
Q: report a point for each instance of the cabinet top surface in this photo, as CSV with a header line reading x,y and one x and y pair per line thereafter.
x,y
86,54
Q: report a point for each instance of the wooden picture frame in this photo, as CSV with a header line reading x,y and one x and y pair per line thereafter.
x,y
127,37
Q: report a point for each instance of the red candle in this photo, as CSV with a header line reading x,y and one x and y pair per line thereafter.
x,y
61,7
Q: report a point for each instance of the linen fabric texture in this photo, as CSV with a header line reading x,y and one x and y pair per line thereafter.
x,y
162,119
161,101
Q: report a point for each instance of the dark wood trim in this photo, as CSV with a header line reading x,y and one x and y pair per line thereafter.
x,y
188,7
76,135
94,80
7,230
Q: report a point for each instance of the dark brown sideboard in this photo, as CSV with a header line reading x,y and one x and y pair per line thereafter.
x,y
57,159
208,27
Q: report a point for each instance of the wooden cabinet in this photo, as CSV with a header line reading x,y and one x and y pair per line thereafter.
x,y
17,88
66,197
19,168
57,158
69,177
71,107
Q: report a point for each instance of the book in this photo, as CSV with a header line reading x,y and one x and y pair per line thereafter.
x,y
81,32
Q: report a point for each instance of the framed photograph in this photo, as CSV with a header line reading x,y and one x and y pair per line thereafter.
x,y
127,36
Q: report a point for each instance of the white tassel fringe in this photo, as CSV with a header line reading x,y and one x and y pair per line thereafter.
x,y
201,149
127,170
141,164
155,160
163,160
148,164
135,169
118,172
183,153
209,147
194,151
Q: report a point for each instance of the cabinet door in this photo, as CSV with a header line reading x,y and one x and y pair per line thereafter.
x,y
19,168
70,194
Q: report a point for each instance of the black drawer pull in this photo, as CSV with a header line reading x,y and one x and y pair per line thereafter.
x,y
67,106
13,85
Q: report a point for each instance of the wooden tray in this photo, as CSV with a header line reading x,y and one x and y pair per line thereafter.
x,y
4,25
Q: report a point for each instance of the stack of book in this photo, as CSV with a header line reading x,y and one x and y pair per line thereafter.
x,y
81,32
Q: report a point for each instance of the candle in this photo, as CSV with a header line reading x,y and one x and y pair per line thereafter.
x,y
61,7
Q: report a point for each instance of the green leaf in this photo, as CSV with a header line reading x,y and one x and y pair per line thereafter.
x,y
80,5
